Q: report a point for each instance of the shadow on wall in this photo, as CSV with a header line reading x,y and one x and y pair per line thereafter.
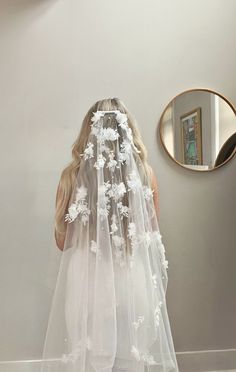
x,y
29,9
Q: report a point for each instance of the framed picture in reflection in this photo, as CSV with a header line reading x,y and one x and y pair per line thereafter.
x,y
191,129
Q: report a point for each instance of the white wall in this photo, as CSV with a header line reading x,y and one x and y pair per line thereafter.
x,y
57,58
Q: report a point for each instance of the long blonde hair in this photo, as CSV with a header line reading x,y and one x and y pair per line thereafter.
x,y
68,175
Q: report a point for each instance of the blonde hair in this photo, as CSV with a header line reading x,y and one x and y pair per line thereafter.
x,y
68,175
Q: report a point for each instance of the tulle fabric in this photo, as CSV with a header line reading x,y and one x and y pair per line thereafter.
x,y
108,312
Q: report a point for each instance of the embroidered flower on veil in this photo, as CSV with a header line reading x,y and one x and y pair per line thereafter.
x,y
94,248
79,207
114,226
158,238
145,357
122,119
97,116
116,190
88,152
107,134
124,210
157,313
100,161
147,192
103,202
133,182
139,321
112,162
75,354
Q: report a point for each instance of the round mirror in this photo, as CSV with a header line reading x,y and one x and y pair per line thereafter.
x,y
198,129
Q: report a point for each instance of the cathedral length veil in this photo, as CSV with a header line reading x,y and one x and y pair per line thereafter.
x,y
109,312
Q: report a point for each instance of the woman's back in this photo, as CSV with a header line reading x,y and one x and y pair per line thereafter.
x,y
109,311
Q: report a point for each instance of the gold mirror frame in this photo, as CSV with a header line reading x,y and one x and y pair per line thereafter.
x,y
161,136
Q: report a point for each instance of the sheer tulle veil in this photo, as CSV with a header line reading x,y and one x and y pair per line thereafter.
x,y
108,312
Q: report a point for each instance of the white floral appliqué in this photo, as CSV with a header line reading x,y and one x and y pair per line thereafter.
x,y
88,152
103,200
124,210
79,207
125,149
76,352
114,226
112,164
137,324
131,230
157,313
146,357
154,280
106,134
116,190
122,119
118,242
97,116
133,182
94,248
147,192
133,241
100,161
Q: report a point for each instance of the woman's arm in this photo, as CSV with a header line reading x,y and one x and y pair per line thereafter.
x,y
60,238
155,194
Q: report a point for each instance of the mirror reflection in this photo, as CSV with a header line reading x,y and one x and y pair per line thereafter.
x,y
198,129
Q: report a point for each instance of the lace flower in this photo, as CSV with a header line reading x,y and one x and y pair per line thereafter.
x,y
110,134
125,149
97,116
148,358
80,206
103,200
163,258
154,280
88,152
81,193
145,357
94,248
156,236
157,313
135,353
122,157
122,119
131,230
133,182
73,213
116,190
147,192
74,355
76,352
114,226
124,210
147,237
100,161
125,146
104,148
137,324
112,162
